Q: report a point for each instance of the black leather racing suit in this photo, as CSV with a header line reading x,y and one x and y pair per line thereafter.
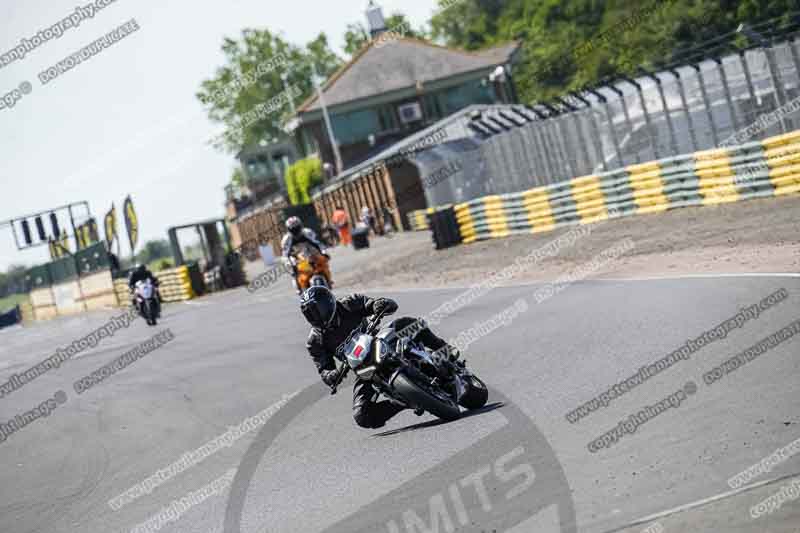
x,y
137,276
322,344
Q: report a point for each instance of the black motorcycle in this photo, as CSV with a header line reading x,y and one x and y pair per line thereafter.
x,y
408,373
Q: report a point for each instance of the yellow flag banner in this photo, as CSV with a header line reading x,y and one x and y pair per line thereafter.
x,y
93,233
110,223
80,237
131,223
54,252
64,247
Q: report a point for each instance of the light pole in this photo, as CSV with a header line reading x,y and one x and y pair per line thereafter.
x,y
337,156
284,79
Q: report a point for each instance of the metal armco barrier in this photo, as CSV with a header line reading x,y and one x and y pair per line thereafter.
x,y
753,170
445,228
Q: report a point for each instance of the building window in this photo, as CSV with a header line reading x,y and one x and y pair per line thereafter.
x,y
472,92
309,142
258,167
280,162
351,128
387,118
433,110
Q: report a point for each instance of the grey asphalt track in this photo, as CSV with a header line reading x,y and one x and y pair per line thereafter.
x,y
236,353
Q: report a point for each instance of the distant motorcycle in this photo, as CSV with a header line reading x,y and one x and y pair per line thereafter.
x,y
311,271
146,298
408,373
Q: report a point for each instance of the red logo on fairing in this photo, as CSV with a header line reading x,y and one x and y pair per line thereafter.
x,y
357,352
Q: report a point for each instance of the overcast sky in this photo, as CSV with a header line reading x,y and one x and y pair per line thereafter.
x,y
126,120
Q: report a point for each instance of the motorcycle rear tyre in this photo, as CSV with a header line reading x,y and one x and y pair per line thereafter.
x,y
418,396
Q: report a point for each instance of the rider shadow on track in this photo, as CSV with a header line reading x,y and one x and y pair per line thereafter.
x,y
438,422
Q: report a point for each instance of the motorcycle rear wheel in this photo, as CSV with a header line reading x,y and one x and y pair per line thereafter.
x,y
419,396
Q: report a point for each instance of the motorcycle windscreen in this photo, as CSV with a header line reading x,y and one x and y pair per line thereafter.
x,y
145,289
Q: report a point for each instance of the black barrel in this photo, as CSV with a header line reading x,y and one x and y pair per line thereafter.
x,y
445,228
361,238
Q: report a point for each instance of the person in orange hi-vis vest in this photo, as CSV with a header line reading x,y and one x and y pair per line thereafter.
x,y
342,223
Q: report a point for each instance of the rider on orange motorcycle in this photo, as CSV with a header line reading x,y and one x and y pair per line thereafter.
x,y
303,241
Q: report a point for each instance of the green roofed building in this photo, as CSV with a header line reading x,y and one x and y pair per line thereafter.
x,y
396,86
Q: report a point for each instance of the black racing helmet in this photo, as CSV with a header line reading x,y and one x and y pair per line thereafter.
x,y
318,306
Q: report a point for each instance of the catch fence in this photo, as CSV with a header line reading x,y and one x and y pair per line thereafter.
x,y
726,100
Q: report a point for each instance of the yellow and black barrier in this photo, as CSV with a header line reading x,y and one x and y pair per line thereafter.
x,y
418,220
174,284
754,170
26,310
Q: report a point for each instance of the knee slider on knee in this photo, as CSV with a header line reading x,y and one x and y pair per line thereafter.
x,y
364,421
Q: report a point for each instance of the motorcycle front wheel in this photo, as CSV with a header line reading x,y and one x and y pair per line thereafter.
x,y
150,313
476,394
319,281
419,396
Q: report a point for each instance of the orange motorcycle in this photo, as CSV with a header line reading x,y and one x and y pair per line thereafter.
x,y
313,271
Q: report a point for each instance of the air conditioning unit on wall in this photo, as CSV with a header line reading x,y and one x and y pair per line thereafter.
x,y
410,112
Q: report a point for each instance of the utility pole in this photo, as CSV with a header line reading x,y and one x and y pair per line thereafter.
x,y
337,156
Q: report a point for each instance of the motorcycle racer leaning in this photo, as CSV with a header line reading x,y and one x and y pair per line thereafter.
x,y
296,239
332,321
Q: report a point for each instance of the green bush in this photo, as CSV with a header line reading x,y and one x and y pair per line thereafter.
x,y
8,303
160,264
301,177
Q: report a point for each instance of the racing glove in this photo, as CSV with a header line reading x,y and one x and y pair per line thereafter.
x,y
384,305
451,352
329,377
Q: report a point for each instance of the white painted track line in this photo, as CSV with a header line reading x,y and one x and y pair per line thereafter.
x,y
593,280
702,502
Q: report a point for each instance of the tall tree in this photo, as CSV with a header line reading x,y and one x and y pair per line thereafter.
x,y
237,177
247,94
620,35
153,250
469,24
12,281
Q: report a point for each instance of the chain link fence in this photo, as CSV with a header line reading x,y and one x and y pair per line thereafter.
x,y
87,261
657,115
